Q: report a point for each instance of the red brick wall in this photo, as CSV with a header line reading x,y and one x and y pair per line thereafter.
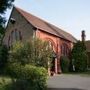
x,y
57,42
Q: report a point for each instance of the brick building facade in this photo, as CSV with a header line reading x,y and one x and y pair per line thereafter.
x,y
23,26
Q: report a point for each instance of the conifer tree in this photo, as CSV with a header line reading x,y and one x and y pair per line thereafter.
x,y
79,56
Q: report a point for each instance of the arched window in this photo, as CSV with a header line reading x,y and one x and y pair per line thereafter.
x,y
20,36
64,50
51,43
15,35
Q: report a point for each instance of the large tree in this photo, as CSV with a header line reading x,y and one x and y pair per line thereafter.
x,y
4,4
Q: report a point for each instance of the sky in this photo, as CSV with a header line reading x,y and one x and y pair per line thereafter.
x,y
72,16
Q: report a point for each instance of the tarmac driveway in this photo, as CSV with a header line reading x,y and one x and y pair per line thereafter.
x,y
69,82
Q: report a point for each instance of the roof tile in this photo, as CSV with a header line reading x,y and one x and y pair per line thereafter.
x,y
45,26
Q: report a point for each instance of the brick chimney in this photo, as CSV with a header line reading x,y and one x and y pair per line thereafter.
x,y
83,36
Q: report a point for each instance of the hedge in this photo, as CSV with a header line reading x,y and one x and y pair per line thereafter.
x,y
28,77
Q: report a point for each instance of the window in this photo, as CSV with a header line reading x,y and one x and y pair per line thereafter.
x,y
20,36
14,36
64,49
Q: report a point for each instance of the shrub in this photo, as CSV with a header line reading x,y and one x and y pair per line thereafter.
x,y
28,63
28,77
35,52
64,64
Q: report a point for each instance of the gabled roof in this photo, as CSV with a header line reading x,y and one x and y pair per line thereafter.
x,y
45,26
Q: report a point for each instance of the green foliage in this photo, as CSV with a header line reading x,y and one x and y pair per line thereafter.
x,y
3,56
35,52
27,63
88,59
5,83
65,64
79,56
27,77
18,53
41,52
4,4
2,31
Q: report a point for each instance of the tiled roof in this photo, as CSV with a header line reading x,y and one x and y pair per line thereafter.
x,y
45,26
87,46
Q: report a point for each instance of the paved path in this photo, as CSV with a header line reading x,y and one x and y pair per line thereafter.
x,y
69,82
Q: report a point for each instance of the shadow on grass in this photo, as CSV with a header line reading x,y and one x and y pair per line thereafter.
x,y
64,89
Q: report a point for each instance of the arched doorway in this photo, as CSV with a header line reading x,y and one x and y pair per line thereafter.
x,y
53,63
53,58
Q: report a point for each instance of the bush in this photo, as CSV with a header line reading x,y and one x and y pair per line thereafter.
x,y
28,77
35,52
64,64
28,63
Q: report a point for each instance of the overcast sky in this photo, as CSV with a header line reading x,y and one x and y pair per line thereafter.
x,y
72,16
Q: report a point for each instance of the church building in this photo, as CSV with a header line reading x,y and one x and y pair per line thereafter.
x,y
23,26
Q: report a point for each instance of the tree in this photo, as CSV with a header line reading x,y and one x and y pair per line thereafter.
x,y
35,52
79,56
3,57
4,4
2,31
